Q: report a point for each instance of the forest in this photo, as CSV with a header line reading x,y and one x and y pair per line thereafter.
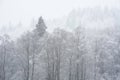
x,y
80,54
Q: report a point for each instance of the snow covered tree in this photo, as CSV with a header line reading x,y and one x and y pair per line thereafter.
x,y
30,46
40,27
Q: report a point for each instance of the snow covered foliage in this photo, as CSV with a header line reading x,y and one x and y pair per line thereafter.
x,y
81,54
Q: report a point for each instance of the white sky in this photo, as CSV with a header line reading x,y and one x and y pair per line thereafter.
x,y
24,11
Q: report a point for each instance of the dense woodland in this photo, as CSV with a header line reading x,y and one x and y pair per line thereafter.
x,y
81,54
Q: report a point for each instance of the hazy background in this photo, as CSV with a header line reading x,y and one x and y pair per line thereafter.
x,y
16,16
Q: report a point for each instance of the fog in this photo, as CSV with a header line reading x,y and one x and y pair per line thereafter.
x,y
59,40
15,11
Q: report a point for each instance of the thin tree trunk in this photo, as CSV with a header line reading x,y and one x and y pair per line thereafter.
x,y
70,67
28,64
32,76
4,63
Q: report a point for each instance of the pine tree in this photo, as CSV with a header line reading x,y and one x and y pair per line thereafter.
x,y
40,27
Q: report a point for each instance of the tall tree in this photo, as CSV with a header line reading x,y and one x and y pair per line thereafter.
x,y
4,49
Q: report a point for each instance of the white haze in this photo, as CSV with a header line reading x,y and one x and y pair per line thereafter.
x,y
16,15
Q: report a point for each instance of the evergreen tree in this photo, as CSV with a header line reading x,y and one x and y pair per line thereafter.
x,y
40,27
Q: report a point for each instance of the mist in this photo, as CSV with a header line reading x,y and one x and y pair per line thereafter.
x,y
59,40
